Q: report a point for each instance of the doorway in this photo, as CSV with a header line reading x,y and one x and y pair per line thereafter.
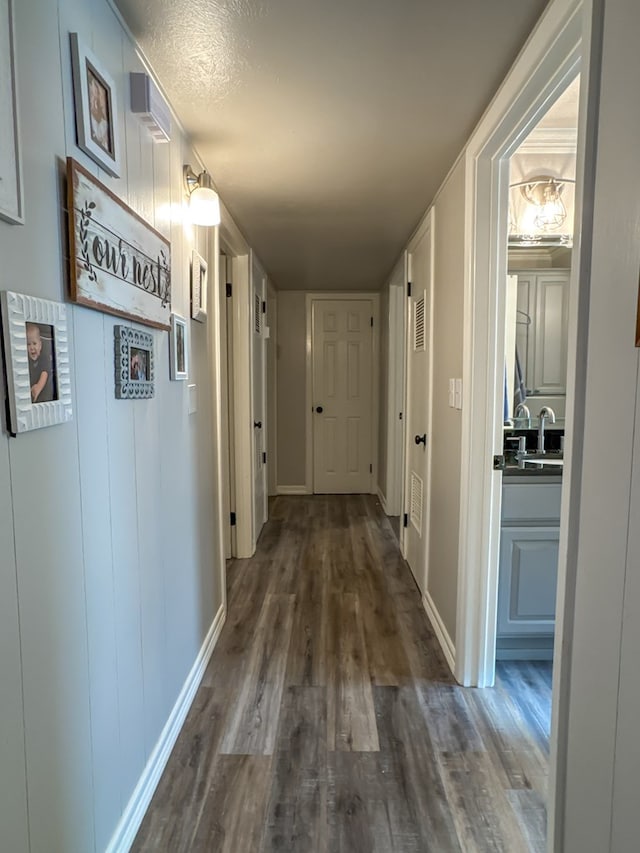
x,y
342,392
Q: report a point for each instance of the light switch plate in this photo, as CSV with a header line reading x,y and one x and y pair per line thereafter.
x,y
193,399
452,392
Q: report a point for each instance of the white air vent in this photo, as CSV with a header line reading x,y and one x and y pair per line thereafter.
x,y
257,311
418,324
417,491
150,106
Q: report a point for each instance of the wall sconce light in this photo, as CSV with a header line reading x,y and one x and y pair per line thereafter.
x,y
543,194
204,204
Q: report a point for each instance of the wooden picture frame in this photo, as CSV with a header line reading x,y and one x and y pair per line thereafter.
x,y
133,361
199,287
11,194
119,263
178,348
36,349
96,108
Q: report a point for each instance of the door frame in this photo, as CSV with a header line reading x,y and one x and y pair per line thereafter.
x,y
342,296
257,271
394,497
556,51
426,224
549,61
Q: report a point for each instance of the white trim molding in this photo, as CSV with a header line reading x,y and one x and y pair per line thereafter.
x,y
293,490
446,643
134,812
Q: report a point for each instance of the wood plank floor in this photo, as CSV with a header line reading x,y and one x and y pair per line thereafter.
x,y
328,721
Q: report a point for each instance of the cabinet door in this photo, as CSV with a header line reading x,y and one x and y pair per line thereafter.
x,y
528,577
550,359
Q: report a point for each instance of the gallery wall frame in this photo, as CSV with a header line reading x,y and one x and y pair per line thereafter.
x,y
178,348
96,108
11,192
133,363
119,263
36,350
199,287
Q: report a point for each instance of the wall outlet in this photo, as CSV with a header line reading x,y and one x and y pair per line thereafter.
x,y
458,394
452,392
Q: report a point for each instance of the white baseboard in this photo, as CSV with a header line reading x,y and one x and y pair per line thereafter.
x,y
129,823
441,632
382,499
293,490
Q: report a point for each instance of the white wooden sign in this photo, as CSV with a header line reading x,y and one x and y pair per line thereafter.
x,y
119,263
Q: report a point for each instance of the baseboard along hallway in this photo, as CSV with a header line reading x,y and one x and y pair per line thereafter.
x,y
329,721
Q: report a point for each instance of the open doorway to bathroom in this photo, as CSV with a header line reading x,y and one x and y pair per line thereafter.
x,y
540,240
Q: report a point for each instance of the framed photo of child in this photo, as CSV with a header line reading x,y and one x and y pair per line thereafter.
x,y
178,353
36,349
96,109
198,287
134,367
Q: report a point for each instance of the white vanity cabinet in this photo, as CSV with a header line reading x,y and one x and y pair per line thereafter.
x,y
529,536
541,329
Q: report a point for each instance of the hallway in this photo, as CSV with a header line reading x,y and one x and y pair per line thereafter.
x,y
327,719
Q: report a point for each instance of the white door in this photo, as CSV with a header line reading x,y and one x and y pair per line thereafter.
x,y
259,409
419,381
342,368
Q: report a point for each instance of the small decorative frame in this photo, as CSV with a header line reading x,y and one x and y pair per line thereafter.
x,y
198,288
96,108
11,200
36,349
133,363
178,350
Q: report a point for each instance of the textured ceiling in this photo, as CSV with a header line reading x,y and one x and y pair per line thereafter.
x,y
328,125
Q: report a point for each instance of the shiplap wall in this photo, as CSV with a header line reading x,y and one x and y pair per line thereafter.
x,y
109,576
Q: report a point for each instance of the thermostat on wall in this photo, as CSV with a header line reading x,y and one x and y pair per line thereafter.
x,y
150,106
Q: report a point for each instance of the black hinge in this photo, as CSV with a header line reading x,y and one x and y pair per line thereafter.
x,y
229,289
264,307
408,288
399,416
405,521
372,322
371,469
233,519
264,458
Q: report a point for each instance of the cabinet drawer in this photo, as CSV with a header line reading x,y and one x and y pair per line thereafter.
x,y
531,502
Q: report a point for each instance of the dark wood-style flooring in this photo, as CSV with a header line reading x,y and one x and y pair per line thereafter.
x,y
328,721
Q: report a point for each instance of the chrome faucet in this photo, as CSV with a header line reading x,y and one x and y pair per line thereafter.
x,y
522,411
546,414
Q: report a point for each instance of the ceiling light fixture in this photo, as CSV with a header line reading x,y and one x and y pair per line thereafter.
x,y
204,204
543,194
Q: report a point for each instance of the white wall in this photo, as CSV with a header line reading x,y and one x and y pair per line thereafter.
x,y
599,668
291,380
109,579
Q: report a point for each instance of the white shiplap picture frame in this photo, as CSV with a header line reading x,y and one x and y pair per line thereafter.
x,y
19,309
199,285
96,108
178,348
11,197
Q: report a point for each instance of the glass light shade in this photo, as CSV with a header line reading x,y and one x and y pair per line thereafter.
x,y
204,206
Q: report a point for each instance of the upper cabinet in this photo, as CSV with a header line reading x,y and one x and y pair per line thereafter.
x,y
541,330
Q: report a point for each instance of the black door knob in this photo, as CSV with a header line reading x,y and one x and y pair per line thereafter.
x,y
421,439
257,424
319,409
